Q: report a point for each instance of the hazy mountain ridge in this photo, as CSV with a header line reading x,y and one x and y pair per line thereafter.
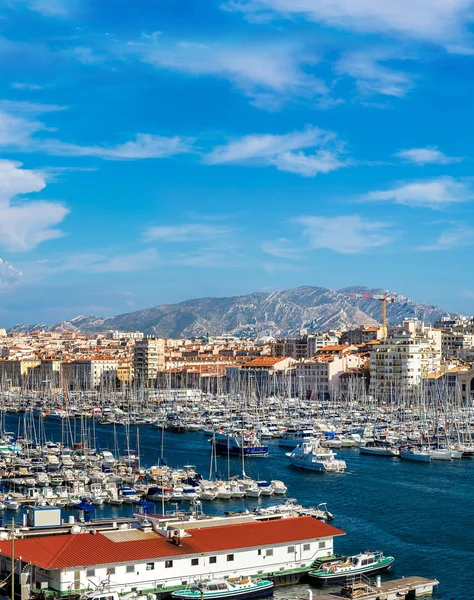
x,y
262,313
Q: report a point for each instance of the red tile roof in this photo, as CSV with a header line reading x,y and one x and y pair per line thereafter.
x,y
85,549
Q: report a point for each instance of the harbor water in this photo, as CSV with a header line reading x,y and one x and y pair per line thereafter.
x,y
420,513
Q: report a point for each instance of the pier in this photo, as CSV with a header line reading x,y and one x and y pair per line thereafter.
x,y
395,589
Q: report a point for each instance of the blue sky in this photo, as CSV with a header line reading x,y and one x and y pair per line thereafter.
x,y
159,150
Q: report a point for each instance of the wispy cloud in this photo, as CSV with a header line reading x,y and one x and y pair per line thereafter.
x,y
427,156
25,224
16,85
96,262
346,234
285,152
373,75
282,248
9,275
458,235
19,129
144,145
186,232
438,21
268,73
431,193
48,8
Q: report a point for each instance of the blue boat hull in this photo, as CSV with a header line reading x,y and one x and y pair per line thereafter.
x,y
248,451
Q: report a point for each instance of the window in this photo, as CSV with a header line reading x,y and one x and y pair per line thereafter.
x,y
291,549
230,557
111,570
150,566
194,562
306,547
322,544
90,573
269,552
168,564
259,551
212,560
130,569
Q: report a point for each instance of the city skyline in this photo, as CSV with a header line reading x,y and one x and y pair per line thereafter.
x,y
156,152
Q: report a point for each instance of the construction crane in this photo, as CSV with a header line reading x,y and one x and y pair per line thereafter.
x,y
384,300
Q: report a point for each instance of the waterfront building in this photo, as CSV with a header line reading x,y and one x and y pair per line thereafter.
x,y
165,556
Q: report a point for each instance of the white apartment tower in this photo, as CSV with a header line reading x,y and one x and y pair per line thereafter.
x,y
149,358
401,362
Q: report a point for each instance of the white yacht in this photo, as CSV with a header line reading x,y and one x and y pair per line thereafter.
x,y
292,437
310,455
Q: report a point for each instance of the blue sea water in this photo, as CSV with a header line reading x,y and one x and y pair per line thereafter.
x,y
423,514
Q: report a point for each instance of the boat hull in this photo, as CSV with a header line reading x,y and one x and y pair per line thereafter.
x,y
237,450
245,594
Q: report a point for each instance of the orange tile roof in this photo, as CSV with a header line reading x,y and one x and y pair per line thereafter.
x,y
66,551
263,361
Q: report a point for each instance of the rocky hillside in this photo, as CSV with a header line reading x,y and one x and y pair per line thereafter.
x,y
258,314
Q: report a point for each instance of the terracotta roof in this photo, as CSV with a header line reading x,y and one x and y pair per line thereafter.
x,y
336,348
85,549
264,361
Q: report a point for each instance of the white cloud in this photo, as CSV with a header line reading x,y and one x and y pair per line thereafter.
x,y
18,129
427,156
9,275
16,85
25,224
308,165
282,248
457,236
188,232
439,21
432,193
372,75
348,234
48,8
97,262
285,152
269,73
144,145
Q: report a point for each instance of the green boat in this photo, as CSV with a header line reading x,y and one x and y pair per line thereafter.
x,y
223,589
340,568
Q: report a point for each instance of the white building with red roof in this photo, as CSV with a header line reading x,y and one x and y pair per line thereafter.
x,y
169,555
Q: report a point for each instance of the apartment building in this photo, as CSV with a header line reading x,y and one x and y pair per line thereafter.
x,y
401,362
90,373
148,358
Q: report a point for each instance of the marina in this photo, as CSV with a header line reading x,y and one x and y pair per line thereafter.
x,y
397,521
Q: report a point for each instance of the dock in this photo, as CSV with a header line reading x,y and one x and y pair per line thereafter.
x,y
395,589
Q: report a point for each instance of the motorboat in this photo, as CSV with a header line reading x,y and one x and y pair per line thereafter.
x,y
311,456
225,589
292,437
241,443
340,568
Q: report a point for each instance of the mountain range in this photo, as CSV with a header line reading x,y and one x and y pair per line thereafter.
x,y
259,314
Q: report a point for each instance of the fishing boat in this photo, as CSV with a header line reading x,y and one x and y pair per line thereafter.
x,y
340,568
244,587
311,456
